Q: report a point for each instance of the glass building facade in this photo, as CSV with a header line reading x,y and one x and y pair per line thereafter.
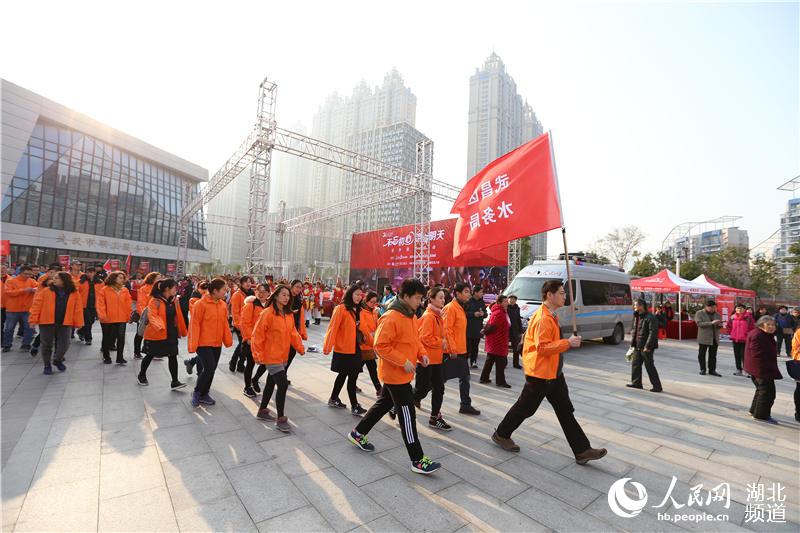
x,y
70,181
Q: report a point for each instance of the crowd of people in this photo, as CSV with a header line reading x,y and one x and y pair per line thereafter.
x,y
410,342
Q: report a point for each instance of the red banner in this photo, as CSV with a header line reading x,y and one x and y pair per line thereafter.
x,y
63,260
170,267
144,266
394,248
5,247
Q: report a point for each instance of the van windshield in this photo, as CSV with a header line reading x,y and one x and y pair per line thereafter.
x,y
530,289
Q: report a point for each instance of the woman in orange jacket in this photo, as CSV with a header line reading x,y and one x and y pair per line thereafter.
x,y
208,331
431,333
142,299
165,325
253,307
57,310
273,333
114,311
342,338
369,323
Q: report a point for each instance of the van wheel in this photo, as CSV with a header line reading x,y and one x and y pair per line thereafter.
x,y
617,337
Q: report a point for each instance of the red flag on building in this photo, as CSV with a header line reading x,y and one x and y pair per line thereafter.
x,y
128,264
512,197
107,265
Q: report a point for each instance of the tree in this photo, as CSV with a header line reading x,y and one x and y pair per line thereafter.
x,y
764,277
525,255
794,257
620,244
596,258
644,266
664,260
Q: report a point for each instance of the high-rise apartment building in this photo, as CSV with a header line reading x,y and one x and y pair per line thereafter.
x,y
789,235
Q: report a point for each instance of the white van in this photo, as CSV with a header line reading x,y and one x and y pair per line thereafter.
x,y
604,306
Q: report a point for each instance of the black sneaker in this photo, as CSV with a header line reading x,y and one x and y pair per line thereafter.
x,y
34,352
392,413
337,403
240,368
232,366
177,385
88,343
702,372
249,392
425,466
257,387
469,410
6,349
142,381
189,365
122,362
137,356
80,337
60,365
25,347
357,410
361,441
107,360
715,373
439,423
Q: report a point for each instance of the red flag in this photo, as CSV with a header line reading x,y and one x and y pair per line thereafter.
x,y
513,196
128,264
107,265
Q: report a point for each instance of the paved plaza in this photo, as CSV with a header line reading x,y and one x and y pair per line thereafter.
x,y
91,450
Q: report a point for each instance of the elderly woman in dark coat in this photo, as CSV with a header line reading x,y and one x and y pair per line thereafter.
x,y
761,362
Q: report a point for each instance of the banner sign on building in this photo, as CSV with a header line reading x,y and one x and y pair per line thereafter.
x,y
5,247
170,267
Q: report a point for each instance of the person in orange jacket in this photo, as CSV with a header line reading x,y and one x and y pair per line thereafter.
x,y
199,292
208,331
273,334
75,273
341,338
114,311
542,360
369,323
87,287
3,279
299,314
431,334
57,310
237,362
455,332
796,357
253,307
399,350
165,325
18,295
142,299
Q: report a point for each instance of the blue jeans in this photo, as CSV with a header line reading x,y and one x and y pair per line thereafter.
x,y
12,319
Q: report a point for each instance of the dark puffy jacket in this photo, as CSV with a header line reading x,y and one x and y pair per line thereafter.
x,y
784,321
761,355
645,332
516,320
474,323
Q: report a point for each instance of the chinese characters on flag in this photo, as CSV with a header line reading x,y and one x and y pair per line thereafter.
x,y
513,196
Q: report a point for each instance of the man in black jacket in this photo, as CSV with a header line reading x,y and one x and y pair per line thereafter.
x,y
476,312
515,330
644,343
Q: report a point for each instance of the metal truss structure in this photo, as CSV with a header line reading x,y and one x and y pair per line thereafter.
x,y
514,254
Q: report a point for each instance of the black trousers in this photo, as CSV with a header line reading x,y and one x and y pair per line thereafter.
x,y
557,393
402,398
473,346
352,379
430,378
783,340
89,316
500,362
763,399
292,354
738,354
515,344
712,357
137,344
172,361
238,358
372,368
640,357
797,401
250,365
113,339
282,383
209,357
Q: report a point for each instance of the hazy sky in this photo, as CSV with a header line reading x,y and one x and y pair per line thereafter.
x,y
661,112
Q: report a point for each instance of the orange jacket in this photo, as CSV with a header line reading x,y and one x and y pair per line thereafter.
x,y
543,345
193,301
796,345
156,329
431,334
397,341
43,309
143,297
368,325
3,292
302,330
113,307
273,335
455,327
341,334
237,302
208,324
250,312
16,298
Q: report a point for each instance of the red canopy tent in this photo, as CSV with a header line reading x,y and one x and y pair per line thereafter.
x,y
725,289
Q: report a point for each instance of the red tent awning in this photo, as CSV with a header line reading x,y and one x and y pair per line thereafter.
x,y
725,289
667,281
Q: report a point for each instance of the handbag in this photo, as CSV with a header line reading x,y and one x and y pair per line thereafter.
x,y
793,368
143,319
788,331
629,354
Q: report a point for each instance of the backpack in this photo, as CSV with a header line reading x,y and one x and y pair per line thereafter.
x,y
144,319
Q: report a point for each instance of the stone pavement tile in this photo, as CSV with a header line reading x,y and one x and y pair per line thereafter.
x,y
71,507
397,460
359,466
381,441
317,433
342,504
227,514
470,528
596,432
555,514
124,436
16,480
484,511
692,463
122,411
265,491
492,480
179,441
416,509
554,484
759,453
239,404
643,421
642,522
196,480
235,448
306,519
147,510
552,459
81,406
131,471
263,430
479,446
74,430
628,457
293,456
590,476
756,467
385,523
87,374
673,442
76,389
65,464
218,420
169,415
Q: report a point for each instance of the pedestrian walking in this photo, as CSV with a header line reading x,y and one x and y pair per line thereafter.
x,y
455,332
165,325
18,296
785,325
87,288
739,325
430,378
796,357
497,331
543,361
208,331
397,343
273,334
237,362
761,362
708,323
644,342
253,307
369,323
515,332
57,310
114,310
142,299
388,296
298,308
476,311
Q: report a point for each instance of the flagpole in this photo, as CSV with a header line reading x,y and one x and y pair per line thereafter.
x,y
563,237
